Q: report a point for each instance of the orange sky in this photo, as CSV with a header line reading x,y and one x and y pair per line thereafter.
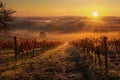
x,y
64,7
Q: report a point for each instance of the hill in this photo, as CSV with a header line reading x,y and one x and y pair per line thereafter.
x,y
65,24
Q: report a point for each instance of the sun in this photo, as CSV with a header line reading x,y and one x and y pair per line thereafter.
x,y
95,14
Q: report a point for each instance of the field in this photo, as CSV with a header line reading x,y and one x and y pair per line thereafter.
x,y
78,59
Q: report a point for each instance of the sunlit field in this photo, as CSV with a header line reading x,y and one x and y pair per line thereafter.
x,y
72,36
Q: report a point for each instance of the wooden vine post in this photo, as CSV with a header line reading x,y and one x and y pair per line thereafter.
x,y
34,44
106,56
15,48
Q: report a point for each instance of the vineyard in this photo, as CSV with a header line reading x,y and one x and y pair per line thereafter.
x,y
94,48
59,40
102,52
20,48
81,59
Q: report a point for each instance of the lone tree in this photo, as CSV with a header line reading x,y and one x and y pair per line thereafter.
x,y
5,17
43,35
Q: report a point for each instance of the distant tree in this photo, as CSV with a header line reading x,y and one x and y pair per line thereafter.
x,y
5,17
43,35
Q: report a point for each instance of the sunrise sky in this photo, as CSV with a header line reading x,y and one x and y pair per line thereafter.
x,y
64,7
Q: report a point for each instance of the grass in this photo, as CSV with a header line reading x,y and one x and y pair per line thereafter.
x,y
62,63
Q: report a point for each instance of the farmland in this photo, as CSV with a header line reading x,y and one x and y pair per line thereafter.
x,y
69,60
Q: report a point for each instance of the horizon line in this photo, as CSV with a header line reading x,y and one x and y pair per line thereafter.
x,y
64,16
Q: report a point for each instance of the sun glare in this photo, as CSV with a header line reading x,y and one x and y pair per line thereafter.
x,y
95,14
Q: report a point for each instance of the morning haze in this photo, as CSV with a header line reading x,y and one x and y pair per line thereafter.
x,y
59,40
